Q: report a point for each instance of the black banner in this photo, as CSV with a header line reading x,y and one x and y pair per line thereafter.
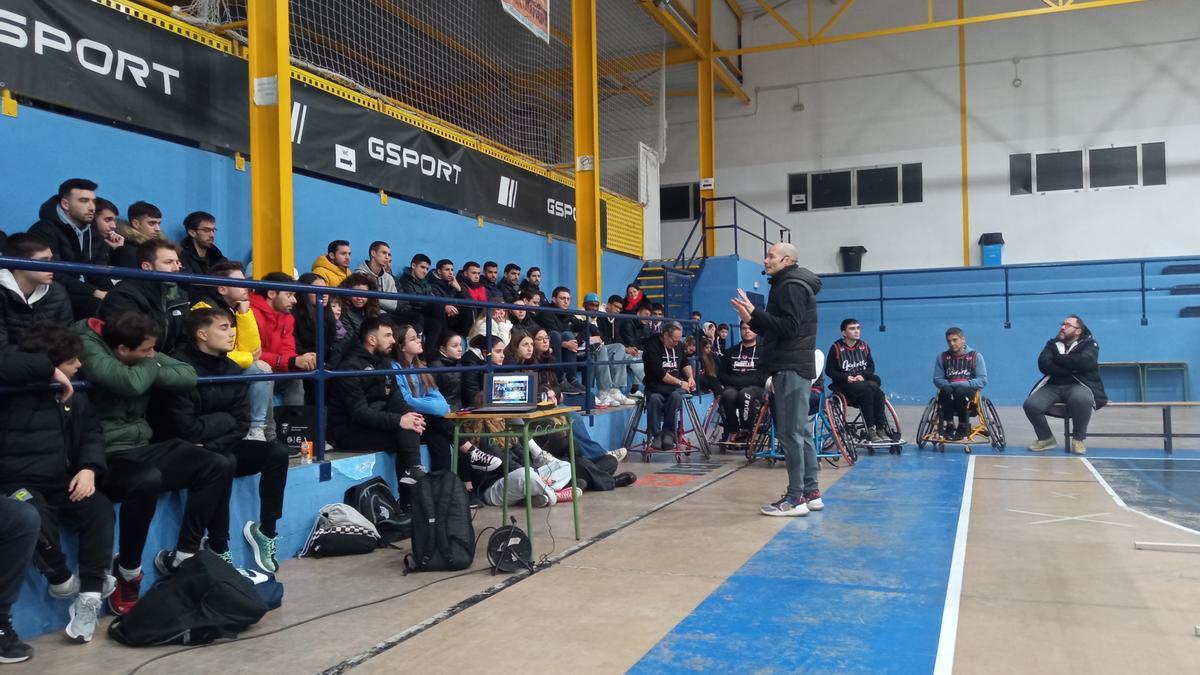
x,y
337,138
87,57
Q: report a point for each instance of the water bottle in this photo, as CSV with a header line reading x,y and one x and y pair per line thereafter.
x,y
306,452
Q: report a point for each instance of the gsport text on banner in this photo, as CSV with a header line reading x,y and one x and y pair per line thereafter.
x,y
533,14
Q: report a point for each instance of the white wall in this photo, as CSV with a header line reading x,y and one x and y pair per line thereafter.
x,y
1112,76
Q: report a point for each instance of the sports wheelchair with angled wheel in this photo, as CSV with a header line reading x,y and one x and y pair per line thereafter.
x,y
849,431
986,428
684,445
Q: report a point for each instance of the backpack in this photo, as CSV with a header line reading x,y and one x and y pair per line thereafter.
x,y
443,537
269,590
340,530
203,600
374,500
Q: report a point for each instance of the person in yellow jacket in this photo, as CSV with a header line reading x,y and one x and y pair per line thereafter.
x,y
247,345
334,266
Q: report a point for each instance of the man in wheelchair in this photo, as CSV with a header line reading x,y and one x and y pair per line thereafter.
x,y
958,373
744,380
851,369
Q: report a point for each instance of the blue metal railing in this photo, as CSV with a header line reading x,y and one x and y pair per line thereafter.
x,y
685,258
881,297
320,375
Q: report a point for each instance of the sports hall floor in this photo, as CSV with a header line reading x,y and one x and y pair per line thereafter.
x,y
921,563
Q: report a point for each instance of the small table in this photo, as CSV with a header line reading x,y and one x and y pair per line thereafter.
x,y
526,426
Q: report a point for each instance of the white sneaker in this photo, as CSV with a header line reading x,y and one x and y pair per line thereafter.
x,y
537,456
256,434
602,401
83,613
619,453
67,589
622,399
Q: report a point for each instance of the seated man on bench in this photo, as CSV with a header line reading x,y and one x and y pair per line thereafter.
x,y
1070,363
744,380
958,373
852,371
668,378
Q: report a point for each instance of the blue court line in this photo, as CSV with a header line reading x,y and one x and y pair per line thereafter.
x,y
858,587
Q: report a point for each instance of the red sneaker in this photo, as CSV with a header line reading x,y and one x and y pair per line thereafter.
x,y
566,494
126,595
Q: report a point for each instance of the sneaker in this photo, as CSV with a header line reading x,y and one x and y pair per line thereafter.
x,y
963,431
603,401
619,453
668,441
126,594
1078,447
537,456
83,617
412,474
475,502
482,460
227,556
786,506
567,494
637,395
67,589
256,434
539,501
1042,445
110,585
262,546
813,500
573,388
165,562
880,436
12,650
625,479
626,400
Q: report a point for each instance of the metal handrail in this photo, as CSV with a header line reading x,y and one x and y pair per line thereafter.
x,y
785,234
320,374
1142,289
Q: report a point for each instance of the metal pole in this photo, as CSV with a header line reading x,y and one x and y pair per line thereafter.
x,y
587,146
271,233
1007,317
1142,265
1168,443
319,451
882,323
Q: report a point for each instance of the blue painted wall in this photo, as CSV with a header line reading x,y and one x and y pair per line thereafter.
x,y
49,147
915,327
716,285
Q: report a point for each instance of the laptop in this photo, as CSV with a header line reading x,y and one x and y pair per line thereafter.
x,y
509,392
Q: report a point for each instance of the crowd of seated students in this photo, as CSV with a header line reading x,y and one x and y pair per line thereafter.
x,y
150,428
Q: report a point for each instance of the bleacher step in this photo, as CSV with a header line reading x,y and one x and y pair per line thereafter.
x,y
1181,269
1189,313
1186,289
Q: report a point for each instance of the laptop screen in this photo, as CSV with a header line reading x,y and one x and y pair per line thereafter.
x,y
510,389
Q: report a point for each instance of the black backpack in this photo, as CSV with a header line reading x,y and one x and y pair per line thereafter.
x,y
204,600
374,500
443,537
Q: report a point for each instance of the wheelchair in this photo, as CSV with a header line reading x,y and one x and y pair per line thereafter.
x,y
685,443
850,433
985,430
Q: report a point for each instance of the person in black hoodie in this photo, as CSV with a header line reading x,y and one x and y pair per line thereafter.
x,y
668,378
165,302
369,413
509,286
27,297
200,251
852,369
52,456
445,284
217,417
450,384
65,223
1070,365
744,380
480,353
788,327
533,284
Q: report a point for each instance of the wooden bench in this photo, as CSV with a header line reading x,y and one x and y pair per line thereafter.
x,y
1168,434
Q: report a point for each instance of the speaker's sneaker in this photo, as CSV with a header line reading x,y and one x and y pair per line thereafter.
x,y
786,506
813,500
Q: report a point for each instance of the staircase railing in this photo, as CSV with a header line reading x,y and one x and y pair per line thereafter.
x,y
689,252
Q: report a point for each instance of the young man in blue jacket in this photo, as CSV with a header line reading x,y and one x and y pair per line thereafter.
x,y
958,373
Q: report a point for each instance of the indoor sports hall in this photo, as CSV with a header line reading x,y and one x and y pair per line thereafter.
x,y
330,336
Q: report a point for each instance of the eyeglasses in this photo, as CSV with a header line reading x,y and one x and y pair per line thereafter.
x,y
542,338
207,230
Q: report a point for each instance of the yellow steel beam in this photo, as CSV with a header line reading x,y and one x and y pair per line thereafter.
x,y
846,4
272,237
735,8
780,20
690,23
708,145
683,36
931,25
587,146
962,134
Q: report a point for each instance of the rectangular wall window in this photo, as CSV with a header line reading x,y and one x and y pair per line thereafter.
x,y
1059,171
797,194
878,186
831,190
1113,167
1154,164
679,202
1020,174
912,183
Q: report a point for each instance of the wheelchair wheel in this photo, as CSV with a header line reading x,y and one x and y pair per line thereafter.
x,y
893,427
759,440
839,429
995,430
929,422
713,426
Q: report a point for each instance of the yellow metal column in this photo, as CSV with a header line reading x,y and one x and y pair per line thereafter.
x,y
708,146
962,131
587,147
270,137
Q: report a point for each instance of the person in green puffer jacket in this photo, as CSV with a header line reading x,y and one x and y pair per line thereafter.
x,y
119,357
